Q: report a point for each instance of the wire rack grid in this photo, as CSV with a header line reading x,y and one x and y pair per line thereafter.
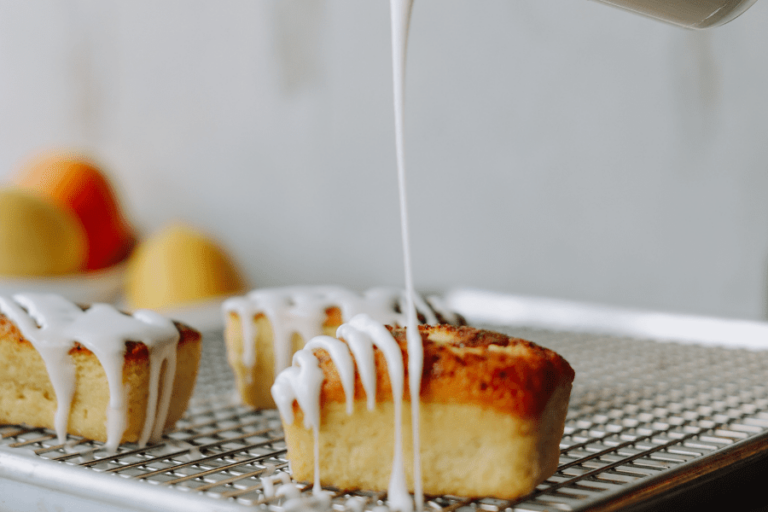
x,y
645,417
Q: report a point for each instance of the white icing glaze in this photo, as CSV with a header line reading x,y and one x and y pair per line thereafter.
x,y
439,307
268,483
302,382
53,325
355,504
301,310
343,361
290,491
318,502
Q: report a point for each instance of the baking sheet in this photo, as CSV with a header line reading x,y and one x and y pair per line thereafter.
x,y
647,416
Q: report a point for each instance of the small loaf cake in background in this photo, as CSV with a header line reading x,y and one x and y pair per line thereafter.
x,y
492,411
267,326
94,372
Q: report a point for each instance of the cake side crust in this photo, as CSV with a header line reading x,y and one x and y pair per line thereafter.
x,y
27,395
467,449
254,383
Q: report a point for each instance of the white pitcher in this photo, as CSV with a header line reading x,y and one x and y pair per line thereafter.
x,y
687,13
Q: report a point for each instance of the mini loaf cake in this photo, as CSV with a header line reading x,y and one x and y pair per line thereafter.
x,y
94,372
492,411
265,327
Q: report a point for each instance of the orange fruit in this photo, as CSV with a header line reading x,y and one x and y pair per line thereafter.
x,y
179,265
73,182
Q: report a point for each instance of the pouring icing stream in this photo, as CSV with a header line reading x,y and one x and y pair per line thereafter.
x,y
302,381
401,21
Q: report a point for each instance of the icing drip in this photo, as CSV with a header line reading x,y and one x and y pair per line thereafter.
x,y
302,310
438,306
302,382
355,504
298,503
341,356
268,483
53,325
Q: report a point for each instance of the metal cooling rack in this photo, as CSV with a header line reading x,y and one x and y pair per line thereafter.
x,y
645,417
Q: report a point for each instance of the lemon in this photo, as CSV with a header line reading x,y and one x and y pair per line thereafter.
x,y
176,266
37,238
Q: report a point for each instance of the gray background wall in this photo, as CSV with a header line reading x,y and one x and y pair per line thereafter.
x,y
555,147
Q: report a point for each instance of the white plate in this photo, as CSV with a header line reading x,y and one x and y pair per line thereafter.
x,y
204,315
86,288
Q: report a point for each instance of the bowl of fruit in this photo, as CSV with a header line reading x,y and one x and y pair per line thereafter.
x,y
63,231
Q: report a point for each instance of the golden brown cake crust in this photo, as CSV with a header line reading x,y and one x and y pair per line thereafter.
x,y
467,365
492,415
27,395
134,350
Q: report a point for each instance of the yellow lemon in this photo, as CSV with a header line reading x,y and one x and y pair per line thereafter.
x,y
37,238
179,265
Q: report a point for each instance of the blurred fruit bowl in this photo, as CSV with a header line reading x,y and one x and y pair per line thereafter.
x,y
104,285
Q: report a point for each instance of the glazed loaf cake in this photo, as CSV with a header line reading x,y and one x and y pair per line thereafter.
x,y
267,326
93,372
492,413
